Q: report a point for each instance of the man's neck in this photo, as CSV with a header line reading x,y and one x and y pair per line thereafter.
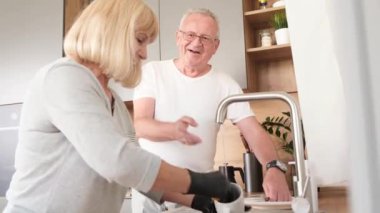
x,y
192,71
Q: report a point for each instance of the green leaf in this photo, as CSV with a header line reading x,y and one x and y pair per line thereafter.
x,y
279,20
278,132
270,130
284,136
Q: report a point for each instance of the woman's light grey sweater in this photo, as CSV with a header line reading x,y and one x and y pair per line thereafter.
x,y
73,155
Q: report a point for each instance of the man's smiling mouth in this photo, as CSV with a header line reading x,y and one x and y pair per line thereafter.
x,y
194,51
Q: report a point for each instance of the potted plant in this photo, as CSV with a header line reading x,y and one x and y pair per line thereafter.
x,y
280,24
280,126
263,4
279,3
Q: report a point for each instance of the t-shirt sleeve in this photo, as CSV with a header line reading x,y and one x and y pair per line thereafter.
x,y
145,89
238,110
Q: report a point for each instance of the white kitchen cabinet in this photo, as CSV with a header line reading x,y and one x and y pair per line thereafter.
x,y
31,36
127,206
3,203
9,122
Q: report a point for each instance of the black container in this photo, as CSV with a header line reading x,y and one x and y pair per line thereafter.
x,y
253,173
229,172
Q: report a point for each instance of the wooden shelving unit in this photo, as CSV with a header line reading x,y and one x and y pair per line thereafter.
x,y
72,10
268,68
261,15
270,53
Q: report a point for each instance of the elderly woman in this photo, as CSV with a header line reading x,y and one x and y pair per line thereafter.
x,y
77,150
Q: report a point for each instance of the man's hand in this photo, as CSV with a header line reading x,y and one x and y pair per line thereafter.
x,y
275,186
181,132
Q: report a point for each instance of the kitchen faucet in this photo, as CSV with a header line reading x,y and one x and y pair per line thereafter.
x,y
301,180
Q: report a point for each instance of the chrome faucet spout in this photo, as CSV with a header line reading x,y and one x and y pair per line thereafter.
x,y
296,126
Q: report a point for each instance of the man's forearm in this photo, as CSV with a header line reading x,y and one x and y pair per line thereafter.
x,y
154,130
258,140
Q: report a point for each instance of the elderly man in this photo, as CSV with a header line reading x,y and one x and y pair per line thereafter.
x,y
175,105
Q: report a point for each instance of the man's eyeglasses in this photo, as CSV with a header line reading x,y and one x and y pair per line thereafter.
x,y
191,36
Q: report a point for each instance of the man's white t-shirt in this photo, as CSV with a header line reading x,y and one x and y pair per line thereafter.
x,y
177,95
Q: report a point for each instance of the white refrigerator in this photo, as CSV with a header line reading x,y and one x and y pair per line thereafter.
x,y
9,122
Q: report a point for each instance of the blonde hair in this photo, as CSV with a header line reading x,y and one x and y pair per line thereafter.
x,y
104,34
202,11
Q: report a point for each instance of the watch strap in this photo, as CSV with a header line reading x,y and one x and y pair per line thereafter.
x,y
277,164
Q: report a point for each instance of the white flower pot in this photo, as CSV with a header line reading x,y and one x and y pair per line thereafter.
x,y
282,36
279,3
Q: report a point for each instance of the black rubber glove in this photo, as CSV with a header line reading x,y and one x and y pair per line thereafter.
x,y
212,184
232,194
203,203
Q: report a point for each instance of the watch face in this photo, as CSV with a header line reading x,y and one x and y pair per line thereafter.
x,y
282,166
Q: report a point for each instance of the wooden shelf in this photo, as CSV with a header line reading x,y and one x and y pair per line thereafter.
x,y
263,15
273,52
268,68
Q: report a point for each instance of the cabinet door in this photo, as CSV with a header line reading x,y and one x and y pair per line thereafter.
x,y
230,57
31,36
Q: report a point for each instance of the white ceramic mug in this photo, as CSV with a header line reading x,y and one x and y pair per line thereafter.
x,y
236,206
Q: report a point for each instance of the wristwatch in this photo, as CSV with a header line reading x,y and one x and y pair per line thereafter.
x,y
277,164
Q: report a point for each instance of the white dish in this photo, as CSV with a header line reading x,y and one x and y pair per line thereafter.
x,y
260,203
181,209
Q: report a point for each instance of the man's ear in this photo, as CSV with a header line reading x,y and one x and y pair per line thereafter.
x,y
216,45
177,38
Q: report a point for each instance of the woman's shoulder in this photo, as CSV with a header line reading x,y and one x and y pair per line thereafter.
x,y
66,72
67,67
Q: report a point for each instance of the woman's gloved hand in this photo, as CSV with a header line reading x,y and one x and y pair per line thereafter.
x,y
213,184
232,194
203,203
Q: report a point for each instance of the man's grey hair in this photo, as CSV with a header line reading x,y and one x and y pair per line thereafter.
x,y
202,11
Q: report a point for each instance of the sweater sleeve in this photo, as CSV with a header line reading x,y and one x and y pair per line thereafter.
x,y
78,107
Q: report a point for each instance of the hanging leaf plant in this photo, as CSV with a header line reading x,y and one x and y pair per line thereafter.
x,y
280,126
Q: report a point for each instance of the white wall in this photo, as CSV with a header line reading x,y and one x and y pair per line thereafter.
x,y
320,90
336,52
31,36
356,34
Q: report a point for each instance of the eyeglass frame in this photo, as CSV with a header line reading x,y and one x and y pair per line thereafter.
x,y
204,39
